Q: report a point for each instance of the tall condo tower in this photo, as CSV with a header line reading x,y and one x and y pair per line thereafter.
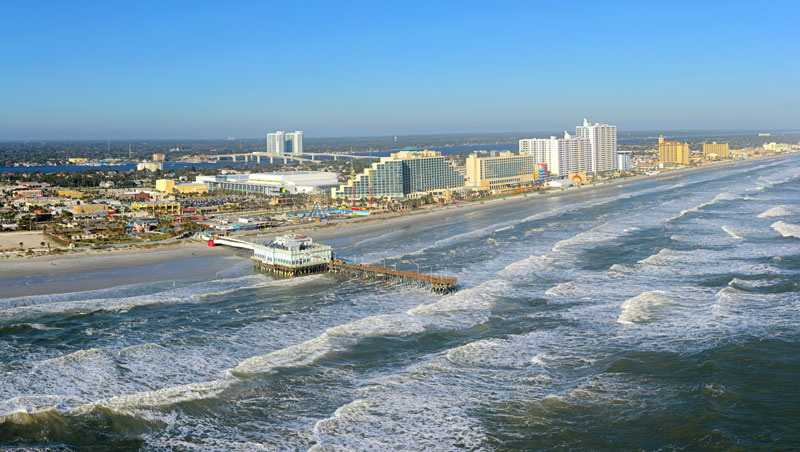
x,y
276,143
561,155
294,142
603,140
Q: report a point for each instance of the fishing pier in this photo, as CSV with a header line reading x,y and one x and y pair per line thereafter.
x,y
294,255
437,284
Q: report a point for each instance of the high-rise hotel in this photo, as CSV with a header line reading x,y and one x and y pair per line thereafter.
x,y
673,152
561,155
603,139
593,149
402,174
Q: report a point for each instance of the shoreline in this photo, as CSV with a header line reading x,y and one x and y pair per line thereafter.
x,y
99,260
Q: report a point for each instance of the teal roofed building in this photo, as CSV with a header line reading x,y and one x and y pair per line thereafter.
x,y
404,173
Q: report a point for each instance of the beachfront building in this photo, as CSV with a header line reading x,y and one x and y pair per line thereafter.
x,y
291,255
672,152
560,155
624,161
271,184
603,142
503,169
778,147
402,174
716,150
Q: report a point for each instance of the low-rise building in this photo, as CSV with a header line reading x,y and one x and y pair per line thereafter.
x,y
291,255
270,184
89,208
157,208
149,166
67,193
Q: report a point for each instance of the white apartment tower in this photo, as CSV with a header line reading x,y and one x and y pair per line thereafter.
x,y
561,155
281,142
603,139
294,141
276,143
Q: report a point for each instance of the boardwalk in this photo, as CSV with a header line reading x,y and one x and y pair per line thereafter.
x,y
438,284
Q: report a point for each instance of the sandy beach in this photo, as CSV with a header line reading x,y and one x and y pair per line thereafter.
x,y
98,260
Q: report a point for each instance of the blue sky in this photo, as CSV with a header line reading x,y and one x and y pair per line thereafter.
x,y
194,69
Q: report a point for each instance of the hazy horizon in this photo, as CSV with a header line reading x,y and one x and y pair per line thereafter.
x,y
665,132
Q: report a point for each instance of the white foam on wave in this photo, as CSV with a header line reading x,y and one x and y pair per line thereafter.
x,y
472,305
185,294
731,232
777,211
562,289
786,229
644,307
724,196
400,419
463,309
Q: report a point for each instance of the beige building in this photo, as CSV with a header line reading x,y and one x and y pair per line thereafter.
x,y
503,170
157,207
169,186
719,149
673,152
191,188
165,185
88,208
149,166
64,193
777,146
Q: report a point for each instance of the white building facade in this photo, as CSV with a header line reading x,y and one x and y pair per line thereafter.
x,y
561,155
294,142
603,139
624,161
280,142
276,143
271,184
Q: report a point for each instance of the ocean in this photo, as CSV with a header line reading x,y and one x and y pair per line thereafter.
x,y
659,315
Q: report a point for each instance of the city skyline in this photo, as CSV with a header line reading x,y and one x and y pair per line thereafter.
x,y
201,71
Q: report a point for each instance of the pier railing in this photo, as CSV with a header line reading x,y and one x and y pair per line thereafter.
x,y
438,284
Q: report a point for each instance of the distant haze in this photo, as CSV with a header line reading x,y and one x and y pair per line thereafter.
x,y
212,70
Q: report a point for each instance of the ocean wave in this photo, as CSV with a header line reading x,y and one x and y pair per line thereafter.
x,y
731,232
786,229
644,307
777,211
54,305
724,196
472,305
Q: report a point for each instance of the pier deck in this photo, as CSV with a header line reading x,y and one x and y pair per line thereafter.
x,y
438,284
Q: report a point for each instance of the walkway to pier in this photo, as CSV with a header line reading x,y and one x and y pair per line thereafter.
x,y
438,284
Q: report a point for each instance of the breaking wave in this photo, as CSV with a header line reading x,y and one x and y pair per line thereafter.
x,y
731,232
645,307
777,211
786,229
